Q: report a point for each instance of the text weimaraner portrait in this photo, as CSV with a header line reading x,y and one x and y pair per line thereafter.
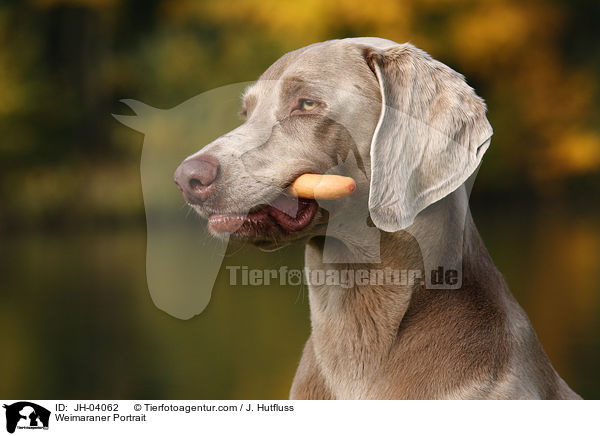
x,y
411,133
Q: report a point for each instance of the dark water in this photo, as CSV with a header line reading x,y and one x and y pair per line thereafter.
x,y
76,319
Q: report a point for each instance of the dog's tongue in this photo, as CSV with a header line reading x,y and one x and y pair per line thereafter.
x,y
286,204
293,221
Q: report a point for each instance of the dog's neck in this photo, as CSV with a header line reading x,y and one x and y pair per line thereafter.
x,y
354,326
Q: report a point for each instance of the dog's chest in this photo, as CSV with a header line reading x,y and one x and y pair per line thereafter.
x,y
345,361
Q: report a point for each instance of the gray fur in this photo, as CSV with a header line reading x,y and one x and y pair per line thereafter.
x,y
393,341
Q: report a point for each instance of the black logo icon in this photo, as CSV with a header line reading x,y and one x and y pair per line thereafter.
x,y
26,415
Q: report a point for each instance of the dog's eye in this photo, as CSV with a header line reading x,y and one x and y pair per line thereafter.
x,y
308,105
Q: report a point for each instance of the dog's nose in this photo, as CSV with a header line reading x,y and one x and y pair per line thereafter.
x,y
195,177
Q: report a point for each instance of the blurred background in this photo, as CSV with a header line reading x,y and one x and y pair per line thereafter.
x,y
76,318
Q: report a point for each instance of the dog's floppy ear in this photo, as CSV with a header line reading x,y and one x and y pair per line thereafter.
x,y
431,135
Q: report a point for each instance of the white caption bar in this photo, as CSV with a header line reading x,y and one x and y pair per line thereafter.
x,y
298,417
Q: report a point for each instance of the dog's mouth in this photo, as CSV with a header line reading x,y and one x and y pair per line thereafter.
x,y
285,215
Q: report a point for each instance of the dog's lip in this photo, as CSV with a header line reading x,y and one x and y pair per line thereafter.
x,y
265,219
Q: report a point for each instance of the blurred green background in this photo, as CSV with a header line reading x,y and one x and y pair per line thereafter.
x,y
76,317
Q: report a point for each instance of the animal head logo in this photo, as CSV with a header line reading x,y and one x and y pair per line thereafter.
x,y
182,259
25,414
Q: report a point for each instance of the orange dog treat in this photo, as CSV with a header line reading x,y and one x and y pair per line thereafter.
x,y
322,186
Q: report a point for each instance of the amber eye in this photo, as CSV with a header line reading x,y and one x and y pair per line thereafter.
x,y
308,105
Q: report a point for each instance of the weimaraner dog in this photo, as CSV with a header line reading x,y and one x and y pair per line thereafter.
x,y
412,133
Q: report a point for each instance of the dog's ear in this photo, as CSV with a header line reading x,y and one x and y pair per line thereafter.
x,y
431,135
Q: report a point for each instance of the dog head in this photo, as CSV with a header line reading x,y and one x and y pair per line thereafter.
x,y
407,128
